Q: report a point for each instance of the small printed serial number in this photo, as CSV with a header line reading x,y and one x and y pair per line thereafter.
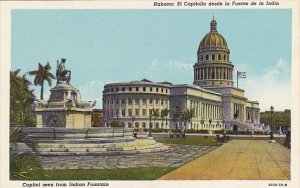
x,y
278,184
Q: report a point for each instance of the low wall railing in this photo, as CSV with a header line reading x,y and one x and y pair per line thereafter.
x,y
63,133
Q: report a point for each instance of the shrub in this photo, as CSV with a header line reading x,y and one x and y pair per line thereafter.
x,y
117,123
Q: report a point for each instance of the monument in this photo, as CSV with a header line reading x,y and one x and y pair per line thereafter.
x,y
65,108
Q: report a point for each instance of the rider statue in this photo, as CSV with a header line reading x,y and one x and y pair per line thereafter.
x,y
62,74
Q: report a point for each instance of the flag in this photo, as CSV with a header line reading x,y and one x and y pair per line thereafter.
x,y
241,74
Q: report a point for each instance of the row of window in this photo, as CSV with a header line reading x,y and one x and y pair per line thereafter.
x,y
130,101
137,125
213,57
161,125
145,89
110,113
206,126
213,83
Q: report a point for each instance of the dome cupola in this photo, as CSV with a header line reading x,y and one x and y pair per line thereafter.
x,y
213,39
213,67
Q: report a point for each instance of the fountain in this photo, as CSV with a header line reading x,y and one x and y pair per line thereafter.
x,y
63,126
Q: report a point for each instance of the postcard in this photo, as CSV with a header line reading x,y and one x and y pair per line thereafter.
x,y
149,93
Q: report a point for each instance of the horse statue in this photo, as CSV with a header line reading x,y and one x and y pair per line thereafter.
x,y
62,74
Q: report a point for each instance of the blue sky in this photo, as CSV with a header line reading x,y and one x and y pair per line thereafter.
x,y
103,46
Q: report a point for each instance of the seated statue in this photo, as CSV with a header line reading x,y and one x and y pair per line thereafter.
x,y
62,74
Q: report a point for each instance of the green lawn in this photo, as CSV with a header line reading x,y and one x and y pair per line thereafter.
x,y
105,174
199,141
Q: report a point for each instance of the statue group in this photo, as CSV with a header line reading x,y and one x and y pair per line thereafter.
x,y
63,75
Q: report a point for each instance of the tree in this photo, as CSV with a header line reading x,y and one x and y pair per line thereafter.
x,y
21,100
41,74
176,116
155,114
96,118
25,165
164,114
189,115
117,123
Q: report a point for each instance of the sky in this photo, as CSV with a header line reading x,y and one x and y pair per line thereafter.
x,y
104,46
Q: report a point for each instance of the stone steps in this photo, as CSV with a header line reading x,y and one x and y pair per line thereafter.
x,y
133,147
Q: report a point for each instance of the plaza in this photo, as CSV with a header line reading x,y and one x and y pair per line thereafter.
x,y
238,160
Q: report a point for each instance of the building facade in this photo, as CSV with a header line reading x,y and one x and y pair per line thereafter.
x,y
215,102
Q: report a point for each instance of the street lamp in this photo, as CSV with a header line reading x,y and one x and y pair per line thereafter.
x,y
132,120
224,126
202,122
150,126
272,111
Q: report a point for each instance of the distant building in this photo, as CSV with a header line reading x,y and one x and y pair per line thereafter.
x,y
97,116
279,119
216,103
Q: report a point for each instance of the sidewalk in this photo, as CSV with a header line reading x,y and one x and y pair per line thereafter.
x,y
238,160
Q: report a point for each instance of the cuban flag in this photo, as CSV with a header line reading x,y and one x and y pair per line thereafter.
x,y
241,74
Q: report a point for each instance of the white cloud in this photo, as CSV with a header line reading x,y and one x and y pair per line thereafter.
x,y
275,72
271,88
93,91
243,67
179,65
154,62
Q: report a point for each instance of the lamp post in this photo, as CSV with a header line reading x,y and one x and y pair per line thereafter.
x,y
272,111
202,122
150,126
210,121
132,120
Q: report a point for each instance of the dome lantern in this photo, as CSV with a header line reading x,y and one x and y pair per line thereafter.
x,y
213,25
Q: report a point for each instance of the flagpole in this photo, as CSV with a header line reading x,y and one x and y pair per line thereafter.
x,y
237,79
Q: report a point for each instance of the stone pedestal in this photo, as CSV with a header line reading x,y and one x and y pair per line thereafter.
x,y
64,109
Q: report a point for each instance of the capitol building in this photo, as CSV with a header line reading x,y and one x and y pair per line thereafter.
x,y
215,102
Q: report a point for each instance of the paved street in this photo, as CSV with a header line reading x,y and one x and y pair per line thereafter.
x,y
176,156
237,160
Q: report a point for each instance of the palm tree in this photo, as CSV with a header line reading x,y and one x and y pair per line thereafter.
x,y
176,116
165,113
155,114
41,74
25,165
190,114
21,99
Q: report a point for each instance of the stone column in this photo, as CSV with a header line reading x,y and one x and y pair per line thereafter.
x,y
120,107
215,72
159,104
140,108
204,111
133,107
147,108
126,107
113,107
206,72
214,113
